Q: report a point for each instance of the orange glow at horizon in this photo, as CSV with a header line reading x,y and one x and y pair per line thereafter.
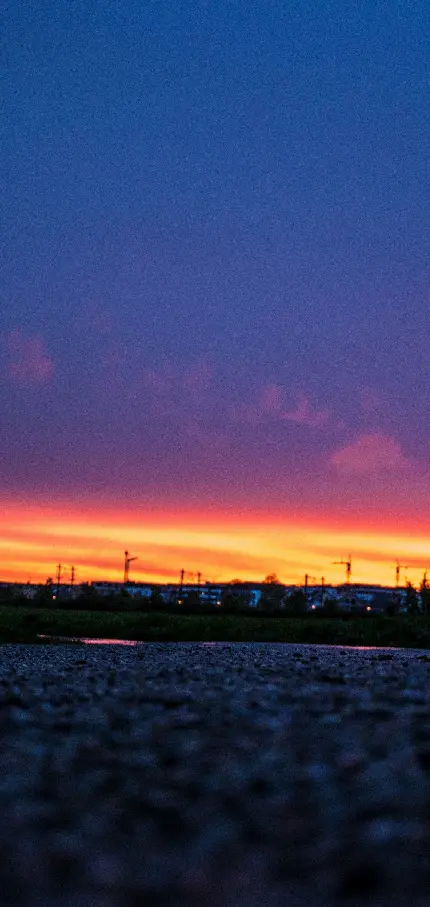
x,y
34,539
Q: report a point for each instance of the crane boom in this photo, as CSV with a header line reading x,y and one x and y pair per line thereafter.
x,y
347,564
127,562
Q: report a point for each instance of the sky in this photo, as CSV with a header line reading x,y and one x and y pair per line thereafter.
x,y
214,288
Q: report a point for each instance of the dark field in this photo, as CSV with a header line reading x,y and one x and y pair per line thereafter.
x,y
19,624
214,776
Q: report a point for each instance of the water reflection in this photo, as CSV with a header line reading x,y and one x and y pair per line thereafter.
x,y
109,642
89,641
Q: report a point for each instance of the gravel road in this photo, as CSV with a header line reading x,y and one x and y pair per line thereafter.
x,y
228,774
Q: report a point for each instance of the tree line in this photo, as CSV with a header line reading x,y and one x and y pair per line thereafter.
x,y
235,598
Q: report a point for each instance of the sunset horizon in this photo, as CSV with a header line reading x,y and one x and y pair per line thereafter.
x,y
218,546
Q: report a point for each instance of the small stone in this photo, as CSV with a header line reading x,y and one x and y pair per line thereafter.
x,y
423,757
361,880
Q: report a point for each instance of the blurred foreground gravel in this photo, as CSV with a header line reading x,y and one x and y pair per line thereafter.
x,y
222,774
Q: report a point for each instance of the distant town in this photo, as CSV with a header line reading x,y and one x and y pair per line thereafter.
x,y
269,595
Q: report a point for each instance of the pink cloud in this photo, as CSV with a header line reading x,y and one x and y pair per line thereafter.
x,y
370,453
269,405
29,363
304,413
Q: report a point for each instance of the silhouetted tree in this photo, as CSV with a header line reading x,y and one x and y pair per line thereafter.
x,y
7,594
411,599
425,595
234,600
191,601
43,597
272,595
330,608
88,598
393,604
295,603
155,602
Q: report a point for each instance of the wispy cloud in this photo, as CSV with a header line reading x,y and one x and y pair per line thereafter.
x,y
29,363
305,413
173,390
269,405
370,453
182,397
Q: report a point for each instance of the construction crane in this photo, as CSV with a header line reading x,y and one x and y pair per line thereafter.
x,y
399,567
127,562
308,579
347,564
193,576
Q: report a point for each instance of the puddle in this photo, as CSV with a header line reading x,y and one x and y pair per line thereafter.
x,y
110,642
88,641
357,648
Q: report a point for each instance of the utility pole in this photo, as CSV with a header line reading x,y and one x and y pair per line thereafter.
x,y
72,576
322,591
199,579
127,562
399,567
181,585
59,572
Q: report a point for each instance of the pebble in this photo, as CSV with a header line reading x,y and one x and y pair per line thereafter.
x,y
229,775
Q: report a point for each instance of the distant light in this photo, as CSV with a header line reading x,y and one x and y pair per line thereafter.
x,y
313,607
368,608
54,597
218,603
179,601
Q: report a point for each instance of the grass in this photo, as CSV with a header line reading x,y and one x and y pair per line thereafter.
x,y
23,624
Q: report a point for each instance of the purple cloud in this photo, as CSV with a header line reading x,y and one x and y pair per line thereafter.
x,y
269,404
29,363
305,413
370,453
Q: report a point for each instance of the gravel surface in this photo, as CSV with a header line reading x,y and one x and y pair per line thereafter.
x,y
227,774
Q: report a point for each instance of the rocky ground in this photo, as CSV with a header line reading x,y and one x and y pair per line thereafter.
x,y
223,774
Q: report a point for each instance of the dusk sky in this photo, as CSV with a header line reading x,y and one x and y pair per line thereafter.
x,y
214,331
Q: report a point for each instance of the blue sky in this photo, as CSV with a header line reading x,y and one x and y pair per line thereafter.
x,y
214,258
